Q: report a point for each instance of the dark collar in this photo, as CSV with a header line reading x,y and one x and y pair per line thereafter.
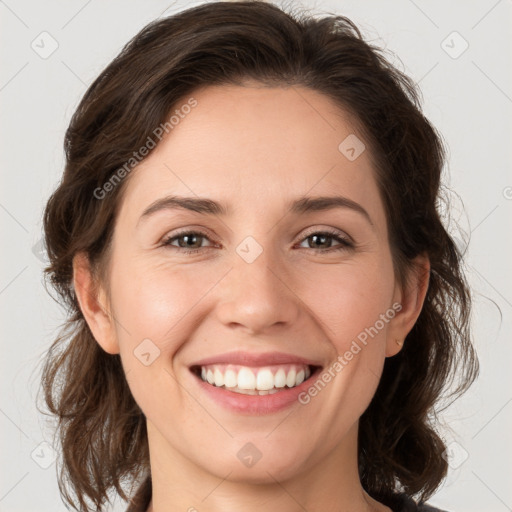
x,y
398,502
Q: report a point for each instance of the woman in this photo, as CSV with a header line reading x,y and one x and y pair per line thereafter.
x,y
264,304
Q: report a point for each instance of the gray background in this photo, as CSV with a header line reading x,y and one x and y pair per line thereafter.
x,y
468,97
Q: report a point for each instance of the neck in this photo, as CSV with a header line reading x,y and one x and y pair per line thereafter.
x,y
331,484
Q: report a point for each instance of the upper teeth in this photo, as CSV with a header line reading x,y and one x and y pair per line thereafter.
x,y
260,379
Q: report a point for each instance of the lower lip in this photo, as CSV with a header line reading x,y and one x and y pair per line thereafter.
x,y
255,404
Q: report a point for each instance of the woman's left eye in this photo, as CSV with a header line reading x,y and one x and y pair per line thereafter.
x,y
320,237
188,241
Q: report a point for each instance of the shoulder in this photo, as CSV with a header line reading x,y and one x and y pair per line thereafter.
x,y
429,508
404,503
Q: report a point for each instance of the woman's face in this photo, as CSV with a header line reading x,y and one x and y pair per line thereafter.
x,y
266,295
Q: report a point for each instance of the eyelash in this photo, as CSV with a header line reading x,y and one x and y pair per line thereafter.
x,y
345,244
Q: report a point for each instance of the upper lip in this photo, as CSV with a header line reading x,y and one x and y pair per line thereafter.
x,y
253,359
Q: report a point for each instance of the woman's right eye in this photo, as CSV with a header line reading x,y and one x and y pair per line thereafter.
x,y
190,238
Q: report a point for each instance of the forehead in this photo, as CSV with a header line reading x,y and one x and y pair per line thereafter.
x,y
246,146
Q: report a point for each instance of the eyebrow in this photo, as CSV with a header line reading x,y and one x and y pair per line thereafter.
x,y
207,206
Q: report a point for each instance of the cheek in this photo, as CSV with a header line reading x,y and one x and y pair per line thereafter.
x,y
348,297
157,301
153,310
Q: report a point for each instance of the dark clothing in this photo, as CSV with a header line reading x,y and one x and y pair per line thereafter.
x,y
399,503
403,503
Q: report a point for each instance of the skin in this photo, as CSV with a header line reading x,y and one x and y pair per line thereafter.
x,y
255,149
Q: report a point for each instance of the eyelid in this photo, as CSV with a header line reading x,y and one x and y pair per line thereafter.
x,y
329,230
344,241
198,230
304,234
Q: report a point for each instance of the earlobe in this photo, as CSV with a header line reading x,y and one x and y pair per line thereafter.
x,y
412,297
93,304
392,350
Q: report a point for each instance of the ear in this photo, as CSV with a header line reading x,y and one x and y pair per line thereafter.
x,y
411,297
93,302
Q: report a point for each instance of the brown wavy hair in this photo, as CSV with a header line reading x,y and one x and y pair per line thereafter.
x,y
101,429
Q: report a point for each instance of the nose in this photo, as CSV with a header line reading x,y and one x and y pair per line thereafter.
x,y
258,296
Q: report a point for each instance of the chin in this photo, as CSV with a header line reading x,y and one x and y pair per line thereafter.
x,y
258,463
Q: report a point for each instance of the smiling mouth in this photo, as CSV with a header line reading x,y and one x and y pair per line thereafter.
x,y
248,380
